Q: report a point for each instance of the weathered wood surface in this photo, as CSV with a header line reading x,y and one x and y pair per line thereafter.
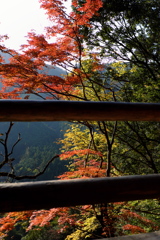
x,y
26,110
143,236
58,193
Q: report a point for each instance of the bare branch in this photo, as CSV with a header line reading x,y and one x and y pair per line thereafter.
x,y
14,176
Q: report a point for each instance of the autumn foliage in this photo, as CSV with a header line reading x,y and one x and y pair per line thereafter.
x,y
85,220
23,73
90,154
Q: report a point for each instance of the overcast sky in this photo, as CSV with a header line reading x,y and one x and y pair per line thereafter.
x,y
18,17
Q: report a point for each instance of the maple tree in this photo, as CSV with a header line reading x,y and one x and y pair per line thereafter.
x,y
22,72
87,43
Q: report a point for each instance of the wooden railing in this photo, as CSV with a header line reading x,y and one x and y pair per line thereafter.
x,y
25,110
49,194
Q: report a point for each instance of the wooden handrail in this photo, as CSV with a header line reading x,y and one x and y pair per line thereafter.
x,y
26,110
50,194
62,193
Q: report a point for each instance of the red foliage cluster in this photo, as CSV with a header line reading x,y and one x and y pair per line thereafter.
x,y
83,169
22,74
10,219
133,229
80,152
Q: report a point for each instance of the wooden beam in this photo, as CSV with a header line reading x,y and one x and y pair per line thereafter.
x,y
26,110
50,194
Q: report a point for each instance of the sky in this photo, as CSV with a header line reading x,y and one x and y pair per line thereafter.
x,y
18,17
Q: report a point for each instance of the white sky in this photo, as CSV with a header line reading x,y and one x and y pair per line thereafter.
x,y
18,17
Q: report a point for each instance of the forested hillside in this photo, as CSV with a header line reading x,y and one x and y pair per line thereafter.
x,y
38,142
37,146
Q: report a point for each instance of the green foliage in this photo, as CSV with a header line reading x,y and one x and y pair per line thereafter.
x,y
17,233
45,233
35,159
137,148
127,31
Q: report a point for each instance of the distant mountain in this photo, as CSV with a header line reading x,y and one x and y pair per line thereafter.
x,y
38,140
37,134
37,146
